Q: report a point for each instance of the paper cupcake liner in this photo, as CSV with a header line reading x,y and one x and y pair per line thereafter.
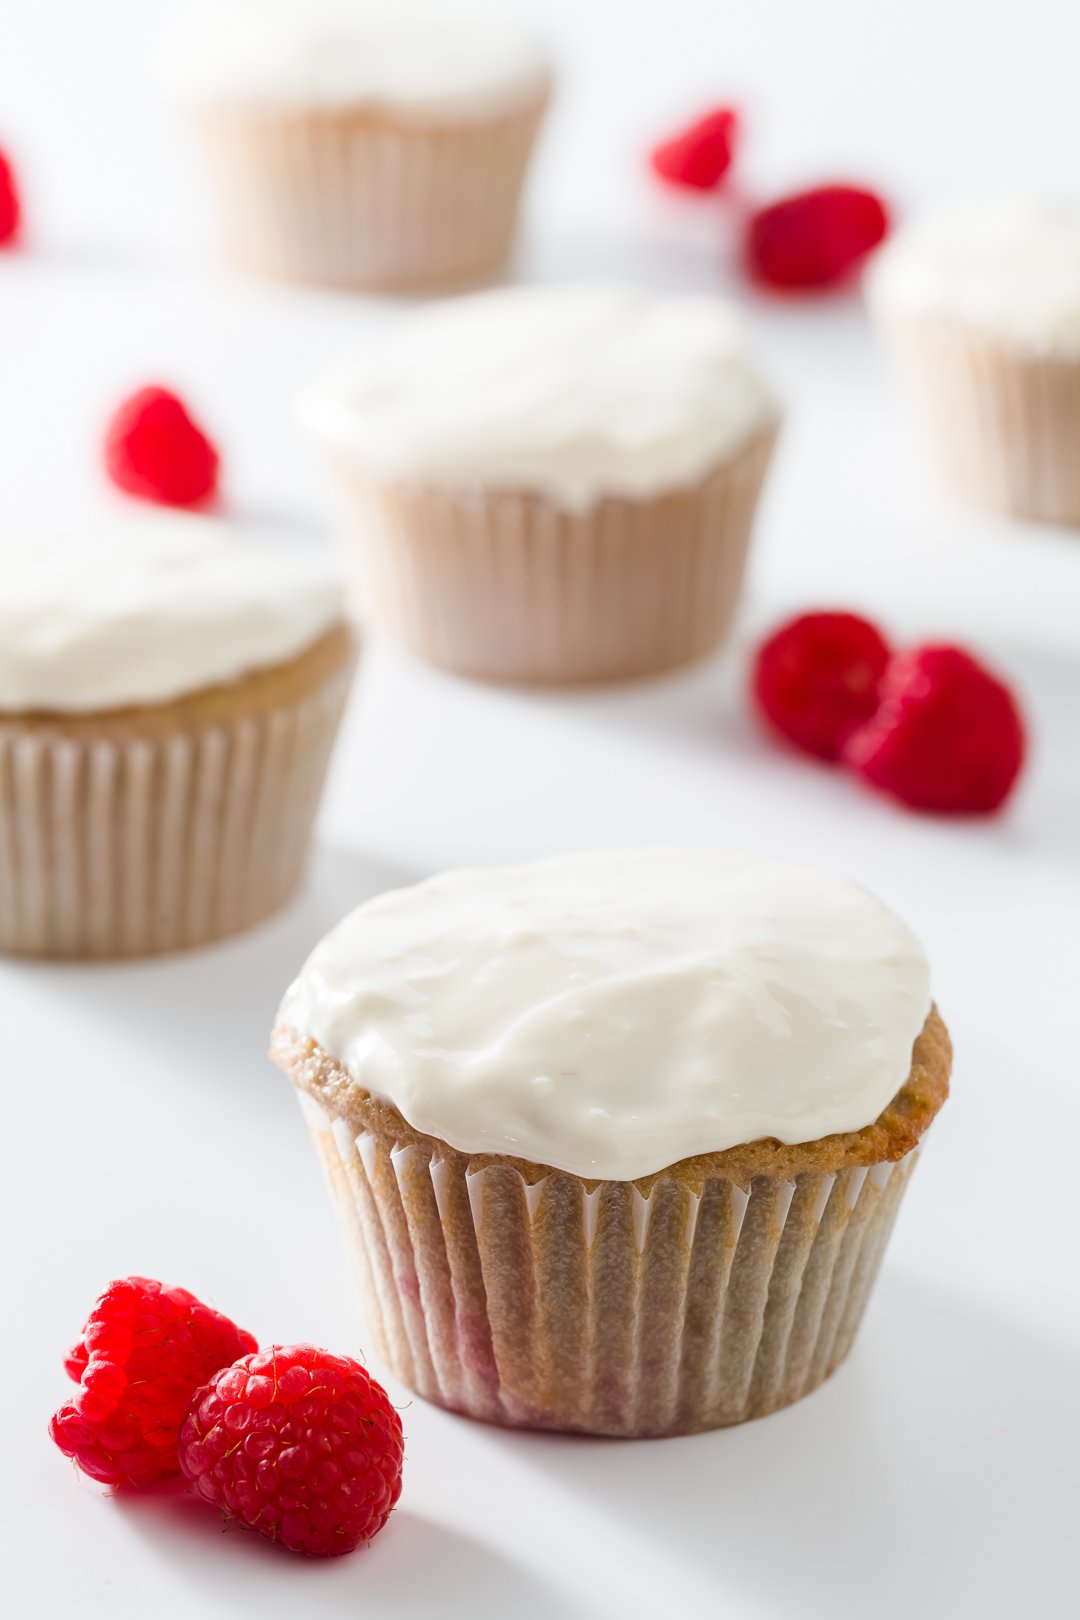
x,y
1004,427
551,1305
355,199
124,840
508,586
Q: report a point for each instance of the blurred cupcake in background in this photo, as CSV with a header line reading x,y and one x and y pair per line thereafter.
x,y
377,144
981,304
169,697
550,484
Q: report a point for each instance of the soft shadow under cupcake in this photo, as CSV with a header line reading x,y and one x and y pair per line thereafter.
x,y
906,1485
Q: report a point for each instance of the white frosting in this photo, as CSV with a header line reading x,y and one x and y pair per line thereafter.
x,y
1006,265
577,391
611,1014
140,610
464,58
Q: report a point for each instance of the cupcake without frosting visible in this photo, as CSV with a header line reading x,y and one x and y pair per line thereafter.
x,y
377,144
618,1139
169,696
981,304
551,484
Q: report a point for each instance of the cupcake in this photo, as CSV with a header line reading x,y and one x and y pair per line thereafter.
x,y
169,696
618,1139
550,484
377,144
982,307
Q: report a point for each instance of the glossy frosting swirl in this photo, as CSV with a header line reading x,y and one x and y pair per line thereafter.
x,y
1008,266
610,1014
140,610
460,59
577,391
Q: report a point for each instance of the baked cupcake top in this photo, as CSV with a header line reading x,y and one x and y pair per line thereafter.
x,y
612,1014
464,58
1008,266
143,610
575,391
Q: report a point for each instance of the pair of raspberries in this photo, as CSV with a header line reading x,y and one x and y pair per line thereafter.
x,y
298,1444
931,726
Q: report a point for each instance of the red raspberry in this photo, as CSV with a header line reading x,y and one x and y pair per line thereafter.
x,y
700,155
154,449
10,211
816,679
948,735
144,1350
814,237
300,1445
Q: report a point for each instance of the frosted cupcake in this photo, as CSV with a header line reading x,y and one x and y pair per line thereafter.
x,y
982,306
551,484
169,696
363,143
618,1139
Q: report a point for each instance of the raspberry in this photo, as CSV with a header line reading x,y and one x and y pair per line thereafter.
x,y
816,679
699,156
144,1350
10,211
300,1445
154,449
815,237
948,735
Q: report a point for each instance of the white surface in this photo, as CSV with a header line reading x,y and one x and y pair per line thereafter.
x,y
145,608
611,1013
578,391
936,1474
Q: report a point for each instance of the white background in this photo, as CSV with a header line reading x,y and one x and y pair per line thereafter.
x,y
936,1474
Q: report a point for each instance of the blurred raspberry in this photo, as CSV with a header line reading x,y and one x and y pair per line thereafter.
x,y
144,1350
814,238
10,209
948,735
298,1444
816,679
155,449
699,156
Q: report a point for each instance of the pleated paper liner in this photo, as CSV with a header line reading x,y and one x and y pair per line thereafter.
x,y
529,1297
508,586
1003,426
361,198
135,831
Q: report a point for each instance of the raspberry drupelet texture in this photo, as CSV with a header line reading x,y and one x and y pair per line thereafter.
x,y
144,1351
10,210
156,450
815,679
814,238
947,736
698,157
298,1444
